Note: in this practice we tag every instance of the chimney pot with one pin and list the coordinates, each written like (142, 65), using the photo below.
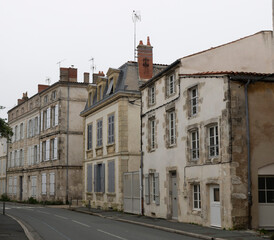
(148, 42)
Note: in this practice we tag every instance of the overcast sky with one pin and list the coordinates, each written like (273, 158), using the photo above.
(36, 34)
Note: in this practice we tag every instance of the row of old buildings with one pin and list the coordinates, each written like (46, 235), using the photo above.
(190, 141)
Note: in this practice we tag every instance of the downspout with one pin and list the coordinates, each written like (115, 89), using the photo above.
(248, 155)
(142, 163)
(67, 159)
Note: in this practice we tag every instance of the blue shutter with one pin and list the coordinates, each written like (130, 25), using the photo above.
(89, 178)
(111, 176)
(103, 178)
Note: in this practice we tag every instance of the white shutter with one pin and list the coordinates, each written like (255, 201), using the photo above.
(47, 149)
(32, 155)
(14, 185)
(12, 159)
(38, 154)
(29, 155)
(41, 157)
(56, 115)
(44, 183)
(157, 190)
(52, 183)
(23, 131)
(28, 129)
(13, 136)
(55, 148)
(147, 191)
(41, 122)
(22, 160)
(38, 127)
(48, 118)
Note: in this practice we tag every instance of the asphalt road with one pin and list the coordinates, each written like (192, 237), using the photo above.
(58, 224)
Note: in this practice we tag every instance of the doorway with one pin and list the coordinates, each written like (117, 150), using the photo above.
(215, 206)
(174, 196)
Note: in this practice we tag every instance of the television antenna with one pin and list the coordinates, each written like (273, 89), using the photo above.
(92, 66)
(59, 63)
(47, 80)
(136, 16)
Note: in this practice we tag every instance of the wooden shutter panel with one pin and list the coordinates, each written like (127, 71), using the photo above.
(23, 161)
(157, 190)
(89, 177)
(29, 155)
(103, 178)
(147, 188)
(56, 115)
(48, 118)
(41, 122)
(47, 149)
(111, 176)
(95, 178)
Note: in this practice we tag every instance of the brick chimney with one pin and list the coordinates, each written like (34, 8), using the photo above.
(68, 74)
(145, 60)
(42, 87)
(86, 77)
(24, 98)
(96, 75)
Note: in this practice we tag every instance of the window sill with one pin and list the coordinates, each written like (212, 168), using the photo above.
(111, 194)
(110, 148)
(99, 193)
(196, 211)
(99, 151)
(89, 153)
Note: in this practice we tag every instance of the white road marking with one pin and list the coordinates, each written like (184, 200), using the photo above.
(41, 212)
(7, 208)
(60, 216)
(110, 234)
(81, 223)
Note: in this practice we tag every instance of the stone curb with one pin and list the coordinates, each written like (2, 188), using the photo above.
(189, 234)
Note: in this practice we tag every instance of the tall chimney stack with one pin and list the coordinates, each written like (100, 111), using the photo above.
(86, 77)
(68, 74)
(145, 60)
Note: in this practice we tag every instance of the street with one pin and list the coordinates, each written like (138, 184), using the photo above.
(56, 223)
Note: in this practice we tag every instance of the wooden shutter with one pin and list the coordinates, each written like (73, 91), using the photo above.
(48, 118)
(41, 122)
(44, 181)
(56, 115)
(89, 177)
(103, 178)
(95, 178)
(111, 176)
(23, 157)
(55, 148)
(47, 149)
(52, 183)
(157, 190)
(147, 191)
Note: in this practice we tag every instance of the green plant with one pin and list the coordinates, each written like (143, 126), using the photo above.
(32, 200)
(5, 197)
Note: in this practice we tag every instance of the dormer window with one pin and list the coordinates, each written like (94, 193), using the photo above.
(90, 99)
(110, 87)
(46, 99)
(100, 92)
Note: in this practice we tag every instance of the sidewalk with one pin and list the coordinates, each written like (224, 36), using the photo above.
(173, 226)
(10, 229)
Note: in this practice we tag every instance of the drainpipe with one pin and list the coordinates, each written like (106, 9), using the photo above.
(141, 164)
(248, 155)
(67, 159)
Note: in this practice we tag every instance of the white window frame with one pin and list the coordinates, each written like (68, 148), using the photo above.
(193, 101)
(100, 133)
(47, 150)
(33, 186)
(172, 128)
(152, 187)
(52, 183)
(44, 183)
(111, 122)
(171, 84)
(151, 95)
(152, 134)
(196, 197)
(194, 145)
(265, 190)
(213, 141)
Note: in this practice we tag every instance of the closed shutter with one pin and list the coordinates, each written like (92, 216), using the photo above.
(29, 155)
(23, 130)
(44, 183)
(41, 157)
(95, 178)
(47, 149)
(147, 188)
(56, 115)
(23, 158)
(48, 118)
(14, 185)
(89, 177)
(55, 148)
(41, 122)
(32, 155)
(111, 176)
(12, 160)
(52, 183)
(38, 125)
(157, 190)
(103, 178)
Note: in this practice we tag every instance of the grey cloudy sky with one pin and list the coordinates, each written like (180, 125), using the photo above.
(36, 34)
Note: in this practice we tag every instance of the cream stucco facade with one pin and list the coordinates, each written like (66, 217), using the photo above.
(3, 164)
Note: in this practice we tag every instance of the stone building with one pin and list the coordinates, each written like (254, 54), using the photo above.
(45, 156)
(3, 164)
(194, 141)
(112, 134)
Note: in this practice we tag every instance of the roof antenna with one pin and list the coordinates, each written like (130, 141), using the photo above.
(136, 16)
(59, 63)
(47, 80)
(92, 66)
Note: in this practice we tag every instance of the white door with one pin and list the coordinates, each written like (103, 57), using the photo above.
(215, 208)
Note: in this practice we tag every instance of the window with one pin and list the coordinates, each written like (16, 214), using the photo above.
(90, 99)
(10, 185)
(152, 134)
(89, 137)
(99, 133)
(53, 148)
(53, 95)
(111, 176)
(36, 125)
(46, 115)
(193, 101)
(194, 151)
(196, 197)
(110, 87)
(152, 194)
(266, 189)
(21, 130)
(44, 151)
(151, 95)
(16, 158)
(111, 129)
(35, 154)
(21, 158)
(171, 128)
(52, 183)
(54, 114)
(99, 177)
(46, 99)
(44, 183)
(47, 150)
(100, 93)
(33, 186)
(30, 155)
(170, 85)
(16, 133)
(213, 141)
(89, 178)
(30, 128)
